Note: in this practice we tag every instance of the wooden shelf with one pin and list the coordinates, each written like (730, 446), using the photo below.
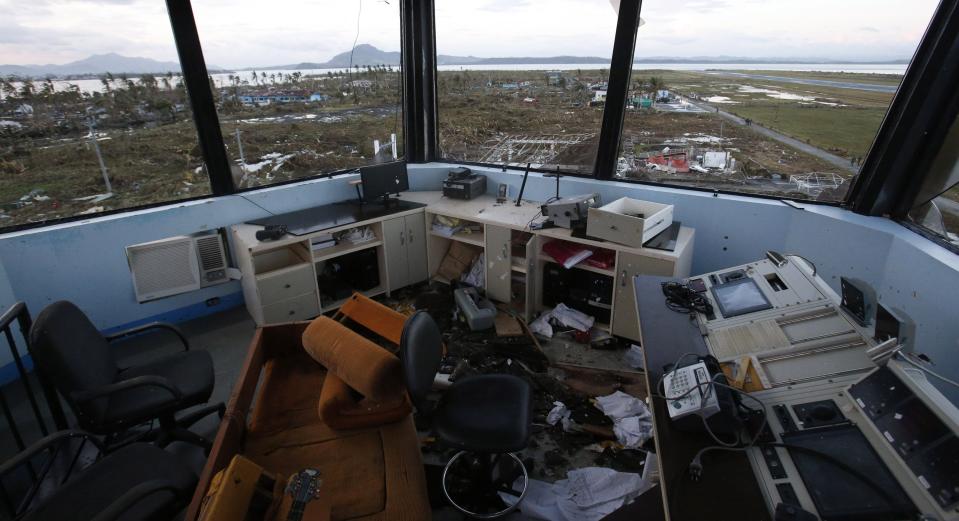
(581, 266)
(342, 249)
(476, 239)
(379, 290)
(519, 267)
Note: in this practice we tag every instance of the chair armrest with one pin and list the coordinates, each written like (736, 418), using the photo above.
(125, 385)
(44, 444)
(149, 327)
(133, 496)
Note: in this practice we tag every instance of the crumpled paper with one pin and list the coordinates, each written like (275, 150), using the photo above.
(587, 494)
(632, 420)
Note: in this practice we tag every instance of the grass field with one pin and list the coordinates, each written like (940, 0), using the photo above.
(840, 120)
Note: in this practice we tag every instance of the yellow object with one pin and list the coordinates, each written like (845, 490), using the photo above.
(239, 492)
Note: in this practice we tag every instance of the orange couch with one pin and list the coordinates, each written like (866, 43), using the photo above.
(373, 473)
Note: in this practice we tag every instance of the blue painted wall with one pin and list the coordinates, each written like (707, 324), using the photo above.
(85, 261)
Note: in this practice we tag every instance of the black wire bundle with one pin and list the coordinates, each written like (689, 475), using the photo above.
(681, 299)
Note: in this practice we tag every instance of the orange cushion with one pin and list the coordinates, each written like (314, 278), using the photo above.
(340, 410)
(374, 316)
(361, 364)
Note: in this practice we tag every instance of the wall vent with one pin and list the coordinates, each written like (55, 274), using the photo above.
(176, 265)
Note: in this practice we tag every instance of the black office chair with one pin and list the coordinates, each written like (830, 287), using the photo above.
(107, 399)
(485, 416)
(136, 482)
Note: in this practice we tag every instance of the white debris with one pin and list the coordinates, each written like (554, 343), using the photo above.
(587, 494)
(563, 315)
(634, 357)
(720, 99)
(93, 199)
(632, 421)
(560, 413)
(95, 209)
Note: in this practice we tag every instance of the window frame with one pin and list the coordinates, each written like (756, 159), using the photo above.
(206, 121)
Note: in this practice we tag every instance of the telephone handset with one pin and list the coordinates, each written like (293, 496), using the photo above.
(691, 397)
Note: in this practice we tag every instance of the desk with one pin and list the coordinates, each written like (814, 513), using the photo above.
(280, 277)
(728, 488)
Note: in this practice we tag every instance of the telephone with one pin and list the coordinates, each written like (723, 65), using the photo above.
(714, 404)
(689, 391)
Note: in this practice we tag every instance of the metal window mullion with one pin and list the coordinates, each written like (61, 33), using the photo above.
(917, 121)
(196, 80)
(620, 69)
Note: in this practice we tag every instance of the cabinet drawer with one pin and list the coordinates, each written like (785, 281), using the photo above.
(285, 283)
(302, 307)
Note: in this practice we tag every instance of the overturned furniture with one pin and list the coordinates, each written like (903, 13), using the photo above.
(372, 472)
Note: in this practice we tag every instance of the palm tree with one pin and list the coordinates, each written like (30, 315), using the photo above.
(255, 78)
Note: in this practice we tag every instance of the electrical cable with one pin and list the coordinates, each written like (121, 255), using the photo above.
(682, 299)
(930, 372)
(254, 203)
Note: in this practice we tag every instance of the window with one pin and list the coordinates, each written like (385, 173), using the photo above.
(775, 98)
(303, 88)
(523, 82)
(106, 125)
(936, 207)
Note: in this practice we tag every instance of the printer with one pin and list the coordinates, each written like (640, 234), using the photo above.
(571, 212)
(462, 183)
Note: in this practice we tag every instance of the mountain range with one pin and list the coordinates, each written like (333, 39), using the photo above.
(366, 54)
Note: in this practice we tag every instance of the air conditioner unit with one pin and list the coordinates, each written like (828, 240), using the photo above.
(177, 265)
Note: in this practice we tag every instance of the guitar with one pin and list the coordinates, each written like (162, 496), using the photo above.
(303, 487)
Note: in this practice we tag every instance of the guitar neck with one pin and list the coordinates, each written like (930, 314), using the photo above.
(296, 511)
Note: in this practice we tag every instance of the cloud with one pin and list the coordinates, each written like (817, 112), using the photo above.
(869, 29)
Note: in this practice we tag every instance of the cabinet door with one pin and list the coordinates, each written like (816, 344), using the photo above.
(628, 265)
(394, 239)
(498, 263)
(416, 248)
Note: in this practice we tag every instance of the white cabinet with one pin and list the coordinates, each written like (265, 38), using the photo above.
(405, 240)
(625, 321)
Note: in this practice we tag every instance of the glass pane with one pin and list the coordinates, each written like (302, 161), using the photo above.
(523, 82)
(941, 216)
(106, 124)
(294, 97)
(776, 98)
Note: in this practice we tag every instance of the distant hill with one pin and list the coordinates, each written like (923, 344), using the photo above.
(96, 64)
(366, 54)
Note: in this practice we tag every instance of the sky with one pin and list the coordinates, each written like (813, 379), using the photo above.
(244, 33)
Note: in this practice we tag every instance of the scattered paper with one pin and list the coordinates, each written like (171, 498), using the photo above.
(632, 421)
(560, 414)
(563, 315)
(588, 494)
(620, 405)
(634, 357)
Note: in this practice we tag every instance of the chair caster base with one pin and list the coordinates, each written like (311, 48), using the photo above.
(472, 483)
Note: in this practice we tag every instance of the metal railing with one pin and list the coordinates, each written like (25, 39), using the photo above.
(18, 313)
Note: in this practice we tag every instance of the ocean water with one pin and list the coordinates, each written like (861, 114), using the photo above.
(223, 79)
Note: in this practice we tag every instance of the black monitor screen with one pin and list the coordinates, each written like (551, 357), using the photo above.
(382, 180)
(739, 297)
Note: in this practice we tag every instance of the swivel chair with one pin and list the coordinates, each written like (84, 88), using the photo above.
(106, 399)
(486, 417)
(136, 482)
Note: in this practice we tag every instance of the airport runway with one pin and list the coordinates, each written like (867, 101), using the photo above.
(803, 81)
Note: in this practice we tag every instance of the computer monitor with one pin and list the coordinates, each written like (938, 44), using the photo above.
(379, 181)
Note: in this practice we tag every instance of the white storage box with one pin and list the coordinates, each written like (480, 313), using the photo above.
(629, 221)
